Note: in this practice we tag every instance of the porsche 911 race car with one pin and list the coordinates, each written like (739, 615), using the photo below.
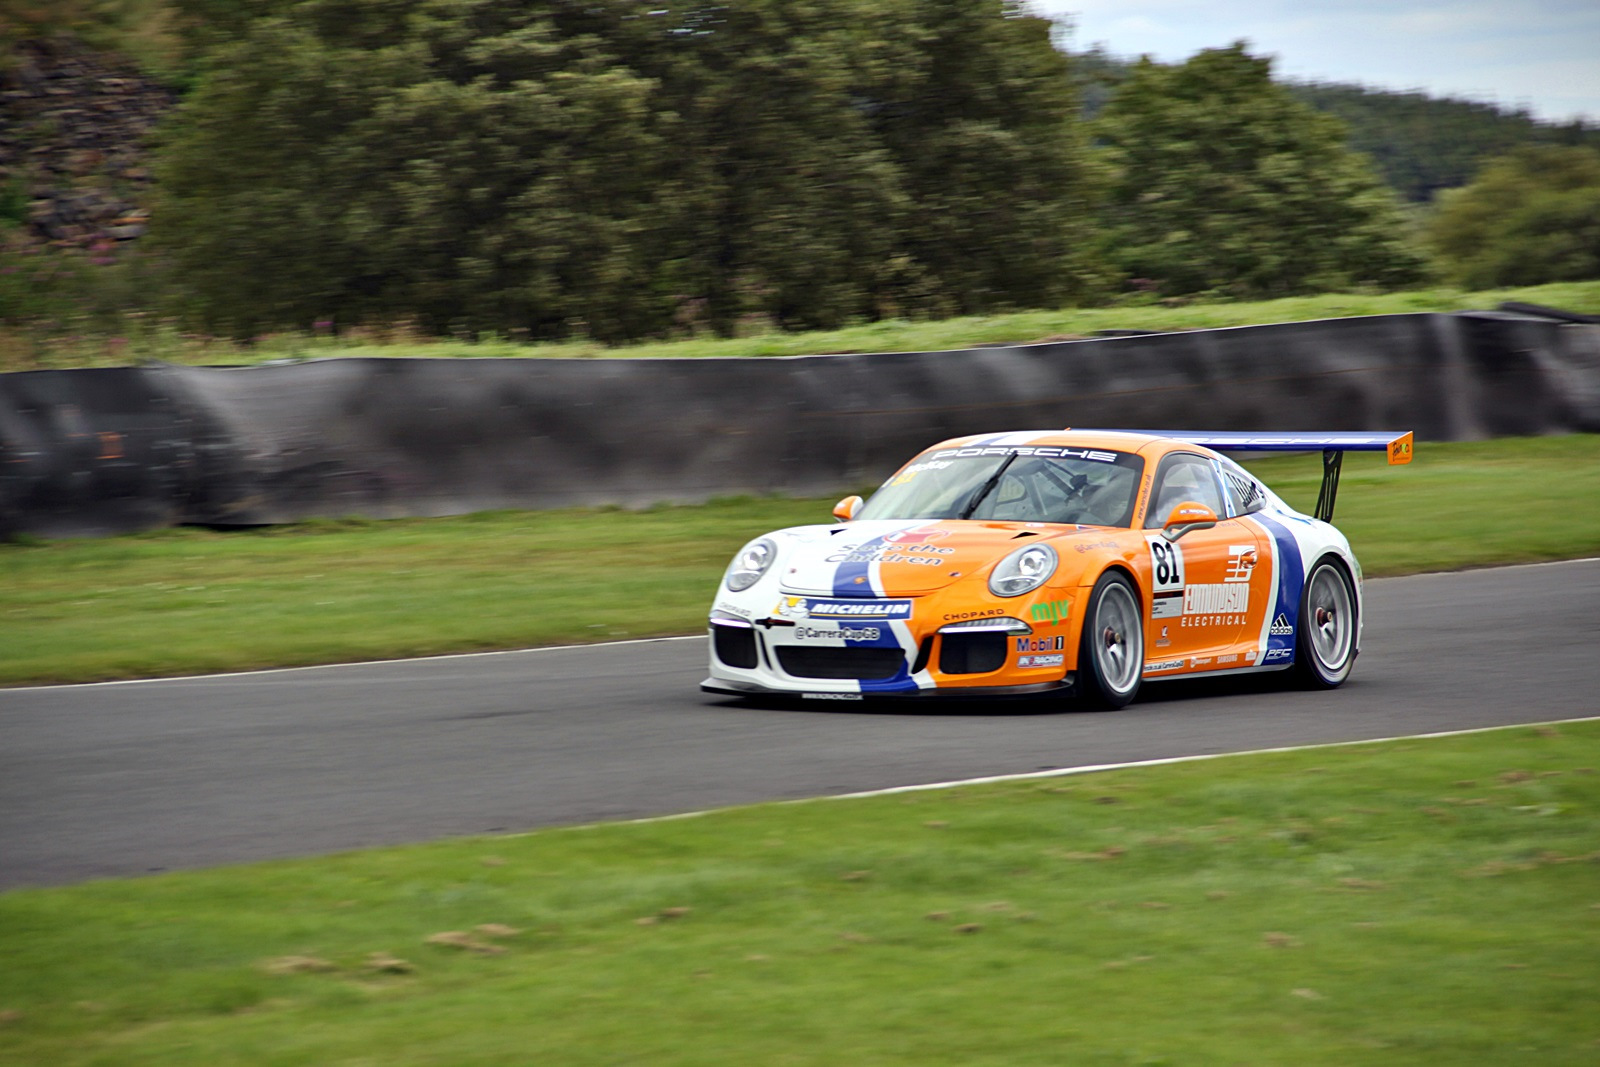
(1068, 563)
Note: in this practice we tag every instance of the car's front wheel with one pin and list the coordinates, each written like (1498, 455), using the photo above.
(1111, 655)
(1327, 639)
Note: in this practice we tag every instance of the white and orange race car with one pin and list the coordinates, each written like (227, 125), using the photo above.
(1073, 563)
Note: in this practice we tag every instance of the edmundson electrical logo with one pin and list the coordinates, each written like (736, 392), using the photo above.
(1220, 599)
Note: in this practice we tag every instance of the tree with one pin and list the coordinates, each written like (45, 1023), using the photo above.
(453, 161)
(1226, 185)
(624, 169)
(1528, 218)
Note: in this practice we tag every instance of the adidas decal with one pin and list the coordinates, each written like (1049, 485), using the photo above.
(1281, 627)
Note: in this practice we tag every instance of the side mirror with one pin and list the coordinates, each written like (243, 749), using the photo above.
(1188, 516)
(846, 509)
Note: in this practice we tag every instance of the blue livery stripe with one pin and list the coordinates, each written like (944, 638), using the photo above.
(1291, 580)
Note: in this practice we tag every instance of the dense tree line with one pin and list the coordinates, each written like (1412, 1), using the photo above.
(626, 169)
(622, 169)
(1420, 144)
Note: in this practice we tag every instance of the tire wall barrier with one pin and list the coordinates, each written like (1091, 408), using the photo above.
(102, 451)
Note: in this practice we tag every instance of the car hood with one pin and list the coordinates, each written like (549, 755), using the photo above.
(907, 558)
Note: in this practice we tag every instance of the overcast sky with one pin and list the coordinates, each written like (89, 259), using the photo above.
(1543, 55)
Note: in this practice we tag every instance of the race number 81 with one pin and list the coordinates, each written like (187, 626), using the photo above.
(1166, 564)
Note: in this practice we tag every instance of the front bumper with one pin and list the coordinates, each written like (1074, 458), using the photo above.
(836, 649)
(1061, 687)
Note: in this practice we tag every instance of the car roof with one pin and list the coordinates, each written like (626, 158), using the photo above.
(1116, 440)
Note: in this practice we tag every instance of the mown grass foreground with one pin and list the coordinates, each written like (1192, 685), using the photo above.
(192, 600)
(1425, 901)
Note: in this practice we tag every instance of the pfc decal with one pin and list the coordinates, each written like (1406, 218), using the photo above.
(1164, 665)
(1275, 654)
(1281, 627)
(849, 633)
(1056, 660)
(799, 607)
(1053, 612)
(1040, 644)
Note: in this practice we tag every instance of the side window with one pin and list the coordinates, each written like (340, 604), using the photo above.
(1244, 494)
(1183, 477)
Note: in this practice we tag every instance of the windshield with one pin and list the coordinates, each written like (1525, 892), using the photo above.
(1024, 483)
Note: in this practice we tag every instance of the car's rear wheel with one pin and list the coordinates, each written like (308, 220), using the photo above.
(1326, 643)
(1111, 655)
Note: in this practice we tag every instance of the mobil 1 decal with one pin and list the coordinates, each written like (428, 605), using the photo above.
(1166, 577)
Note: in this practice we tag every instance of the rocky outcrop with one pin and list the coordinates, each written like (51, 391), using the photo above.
(74, 125)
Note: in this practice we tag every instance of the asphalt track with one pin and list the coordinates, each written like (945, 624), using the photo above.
(129, 778)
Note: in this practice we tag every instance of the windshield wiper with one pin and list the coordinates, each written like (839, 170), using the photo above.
(987, 487)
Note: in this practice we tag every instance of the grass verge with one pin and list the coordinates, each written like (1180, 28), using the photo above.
(145, 339)
(1421, 901)
(192, 600)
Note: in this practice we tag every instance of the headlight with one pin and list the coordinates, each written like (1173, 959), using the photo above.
(750, 564)
(1023, 571)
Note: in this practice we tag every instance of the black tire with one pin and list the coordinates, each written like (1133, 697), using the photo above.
(1111, 652)
(1325, 642)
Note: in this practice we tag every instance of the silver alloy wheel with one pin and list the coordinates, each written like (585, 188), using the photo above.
(1330, 619)
(1118, 640)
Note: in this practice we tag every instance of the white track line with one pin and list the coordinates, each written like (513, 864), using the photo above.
(1091, 768)
(354, 663)
(1064, 772)
(614, 644)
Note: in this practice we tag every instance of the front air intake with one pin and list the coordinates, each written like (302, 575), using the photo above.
(820, 661)
(734, 645)
(972, 652)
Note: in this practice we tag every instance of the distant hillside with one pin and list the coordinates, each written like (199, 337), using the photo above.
(1420, 144)
(1423, 144)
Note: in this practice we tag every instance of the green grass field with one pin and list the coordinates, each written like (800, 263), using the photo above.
(156, 340)
(1417, 902)
(192, 600)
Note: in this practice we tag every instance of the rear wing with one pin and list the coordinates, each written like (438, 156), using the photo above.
(1332, 445)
